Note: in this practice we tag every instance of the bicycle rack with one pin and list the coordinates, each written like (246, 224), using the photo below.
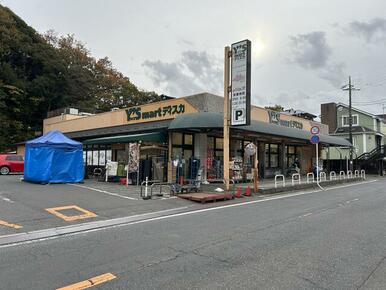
(145, 184)
(332, 175)
(363, 174)
(342, 175)
(322, 174)
(349, 174)
(298, 179)
(279, 176)
(160, 187)
(356, 173)
(310, 174)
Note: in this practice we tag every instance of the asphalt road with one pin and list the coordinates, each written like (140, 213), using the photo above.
(323, 240)
(25, 204)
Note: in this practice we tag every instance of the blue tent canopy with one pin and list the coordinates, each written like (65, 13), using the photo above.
(53, 158)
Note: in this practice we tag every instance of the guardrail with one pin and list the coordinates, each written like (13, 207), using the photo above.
(349, 174)
(310, 174)
(332, 175)
(342, 175)
(298, 179)
(279, 176)
(363, 174)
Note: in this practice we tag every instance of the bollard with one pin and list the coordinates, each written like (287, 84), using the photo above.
(280, 176)
(363, 174)
(248, 191)
(310, 176)
(297, 175)
(238, 192)
(146, 196)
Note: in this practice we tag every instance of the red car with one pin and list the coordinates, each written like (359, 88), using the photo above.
(11, 163)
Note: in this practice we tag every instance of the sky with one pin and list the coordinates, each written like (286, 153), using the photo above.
(302, 50)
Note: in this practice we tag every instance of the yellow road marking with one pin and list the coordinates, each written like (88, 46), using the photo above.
(4, 223)
(56, 211)
(90, 282)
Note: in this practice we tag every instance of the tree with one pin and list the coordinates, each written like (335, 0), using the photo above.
(39, 73)
(277, 108)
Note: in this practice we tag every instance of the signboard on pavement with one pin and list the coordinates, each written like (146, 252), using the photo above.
(241, 83)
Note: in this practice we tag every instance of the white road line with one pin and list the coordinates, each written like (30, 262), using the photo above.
(179, 214)
(6, 199)
(104, 191)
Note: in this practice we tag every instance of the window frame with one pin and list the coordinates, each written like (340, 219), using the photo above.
(348, 124)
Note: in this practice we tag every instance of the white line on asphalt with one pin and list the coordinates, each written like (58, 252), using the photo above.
(104, 191)
(6, 199)
(179, 214)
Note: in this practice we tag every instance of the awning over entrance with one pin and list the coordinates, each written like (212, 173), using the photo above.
(154, 136)
(206, 120)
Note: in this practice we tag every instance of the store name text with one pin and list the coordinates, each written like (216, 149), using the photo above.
(137, 114)
(274, 118)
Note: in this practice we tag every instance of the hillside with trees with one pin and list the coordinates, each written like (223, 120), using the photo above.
(40, 73)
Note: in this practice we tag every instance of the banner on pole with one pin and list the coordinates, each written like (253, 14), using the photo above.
(133, 163)
(241, 83)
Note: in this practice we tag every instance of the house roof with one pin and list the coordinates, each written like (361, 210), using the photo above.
(358, 110)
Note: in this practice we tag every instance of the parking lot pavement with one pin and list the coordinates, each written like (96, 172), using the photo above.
(26, 206)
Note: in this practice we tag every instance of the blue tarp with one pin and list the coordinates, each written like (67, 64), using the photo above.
(53, 158)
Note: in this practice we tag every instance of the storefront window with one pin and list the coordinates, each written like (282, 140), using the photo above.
(219, 143)
(95, 158)
(182, 145)
(108, 155)
(177, 138)
(291, 155)
(89, 157)
(188, 139)
(177, 153)
(271, 155)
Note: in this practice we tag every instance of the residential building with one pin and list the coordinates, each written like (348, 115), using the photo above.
(366, 129)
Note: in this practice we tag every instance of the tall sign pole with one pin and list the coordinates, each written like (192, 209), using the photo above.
(239, 106)
(227, 55)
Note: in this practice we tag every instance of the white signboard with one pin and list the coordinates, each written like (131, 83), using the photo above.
(241, 83)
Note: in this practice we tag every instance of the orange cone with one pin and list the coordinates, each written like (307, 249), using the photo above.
(248, 191)
(238, 192)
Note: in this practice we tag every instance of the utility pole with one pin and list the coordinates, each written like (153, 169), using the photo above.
(350, 88)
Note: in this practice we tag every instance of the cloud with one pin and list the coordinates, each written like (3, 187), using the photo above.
(334, 74)
(310, 50)
(372, 31)
(194, 72)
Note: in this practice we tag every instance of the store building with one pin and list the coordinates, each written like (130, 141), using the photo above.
(177, 136)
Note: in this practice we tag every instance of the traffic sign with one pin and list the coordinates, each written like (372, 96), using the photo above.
(315, 139)
(315, 130)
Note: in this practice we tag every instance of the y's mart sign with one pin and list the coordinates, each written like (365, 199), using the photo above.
(241, 83)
